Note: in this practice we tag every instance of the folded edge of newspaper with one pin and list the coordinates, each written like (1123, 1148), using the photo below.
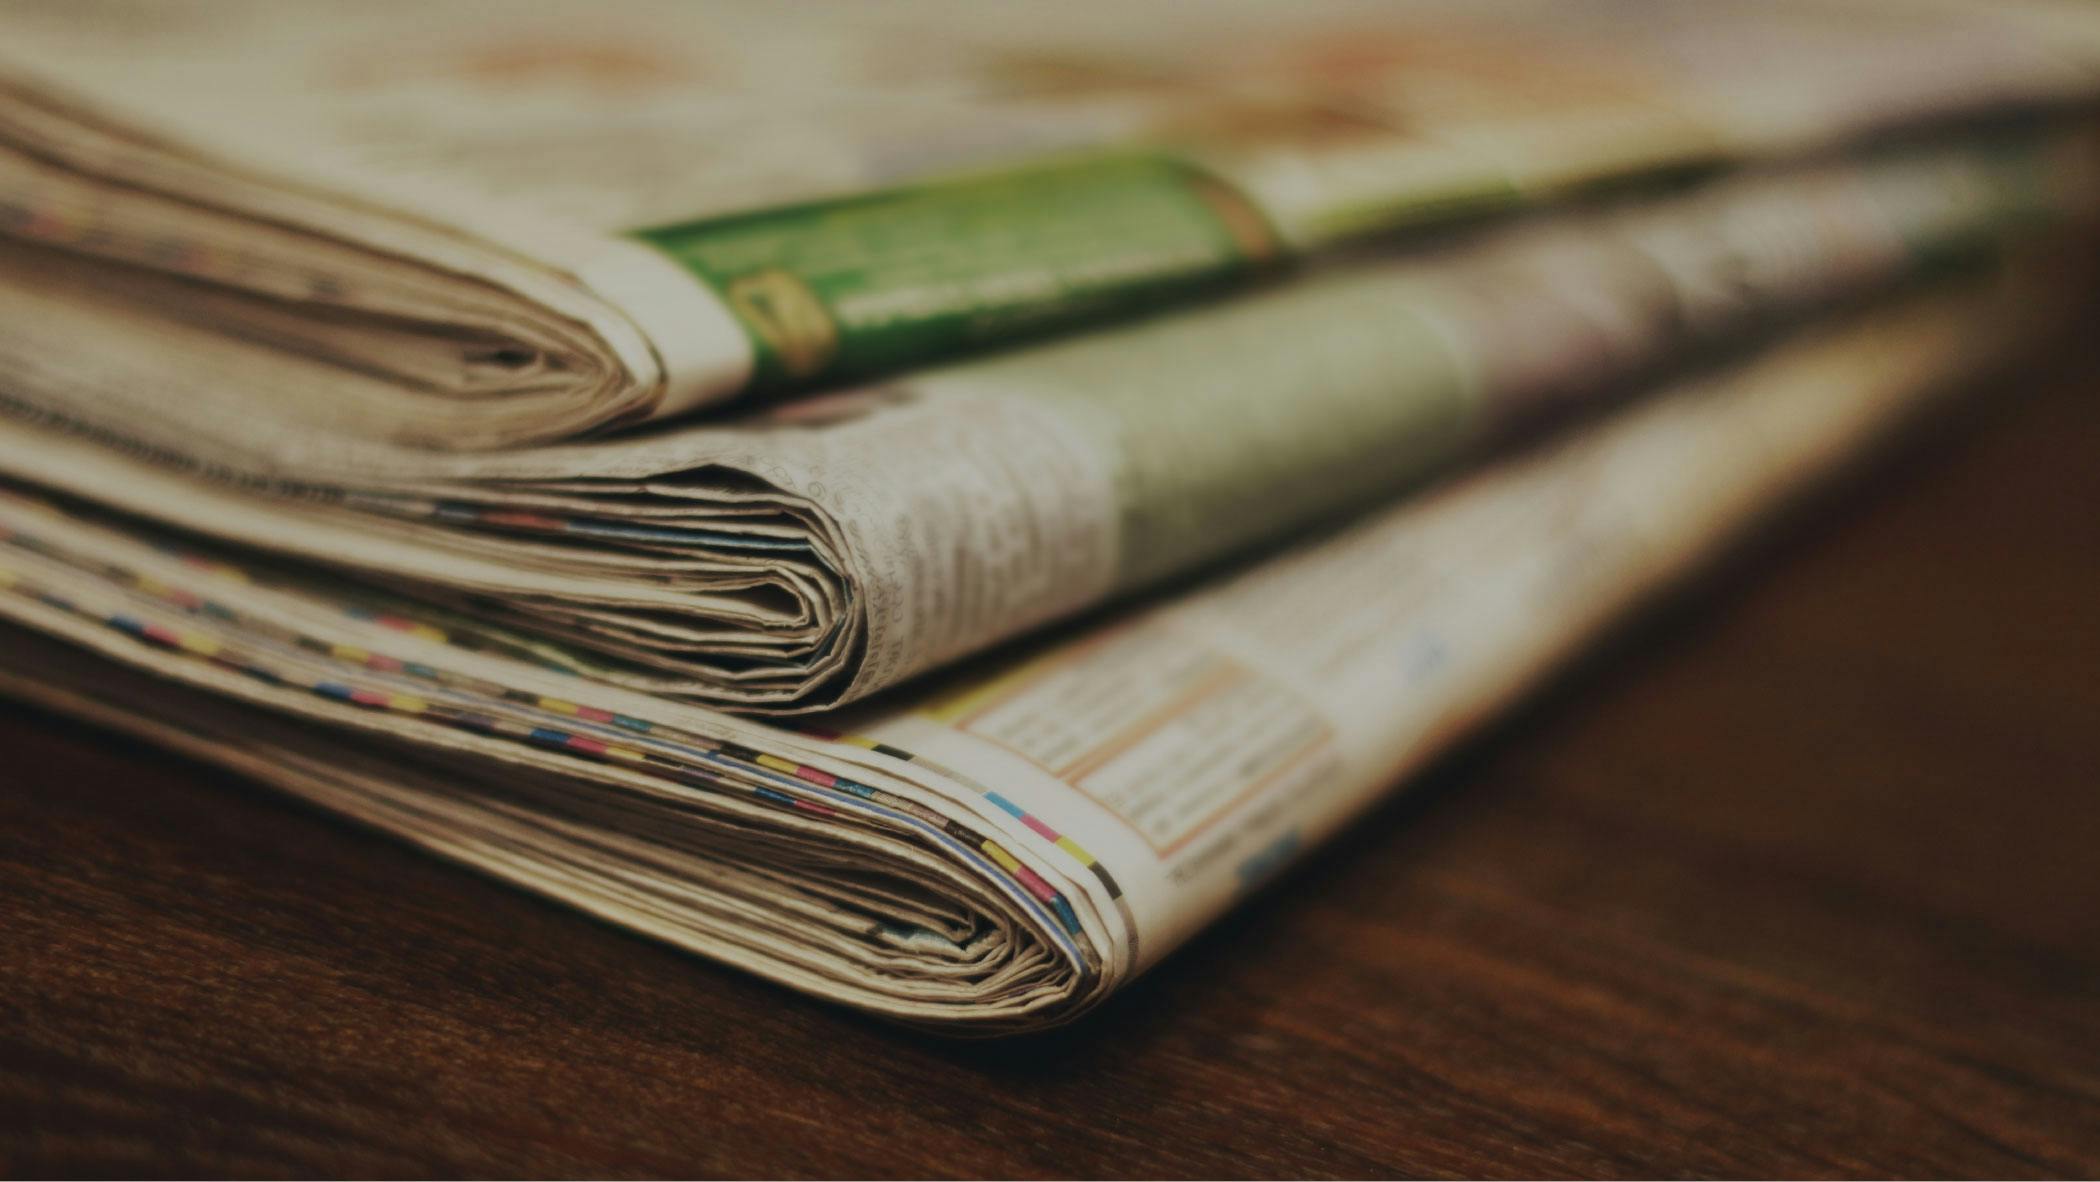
(998, 849)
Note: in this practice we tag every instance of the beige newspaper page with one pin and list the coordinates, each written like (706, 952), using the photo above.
(997, 850)
(537, 220)
(814, 554)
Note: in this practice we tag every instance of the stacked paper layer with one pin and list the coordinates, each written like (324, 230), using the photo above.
(928, 508)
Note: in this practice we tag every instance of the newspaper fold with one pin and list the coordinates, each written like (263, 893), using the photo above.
(277, 291)
(512, 224)
(998, 850)
(820, 552)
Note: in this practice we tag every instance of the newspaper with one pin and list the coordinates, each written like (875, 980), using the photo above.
(302, 312)
(504, 224)
(998, 849)
(813, 554)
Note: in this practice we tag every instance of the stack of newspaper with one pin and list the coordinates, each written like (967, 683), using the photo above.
(932, 503)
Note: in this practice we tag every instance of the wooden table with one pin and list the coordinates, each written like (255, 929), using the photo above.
(1802, 876)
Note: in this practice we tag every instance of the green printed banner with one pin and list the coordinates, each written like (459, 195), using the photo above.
(879, 281)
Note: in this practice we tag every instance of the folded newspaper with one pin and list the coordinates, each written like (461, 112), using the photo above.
(536, 219)
(295, 309)
(997, 851)
(807, 556)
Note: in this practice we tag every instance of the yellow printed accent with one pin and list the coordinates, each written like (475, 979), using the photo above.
(779, 765)
(630, 754)
(861, 741)
(429, 632)
(406, 703)
(1072, 847)
(558, 706)
(970, 700)
(975, 698)
(1007, 862)
(351, 653)
(197, 642)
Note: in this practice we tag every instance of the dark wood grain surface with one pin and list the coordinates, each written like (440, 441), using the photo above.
(1800, 876)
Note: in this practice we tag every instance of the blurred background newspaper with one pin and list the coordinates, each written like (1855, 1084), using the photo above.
(930, 504)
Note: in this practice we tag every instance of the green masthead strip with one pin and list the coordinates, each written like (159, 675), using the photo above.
(878, 281)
